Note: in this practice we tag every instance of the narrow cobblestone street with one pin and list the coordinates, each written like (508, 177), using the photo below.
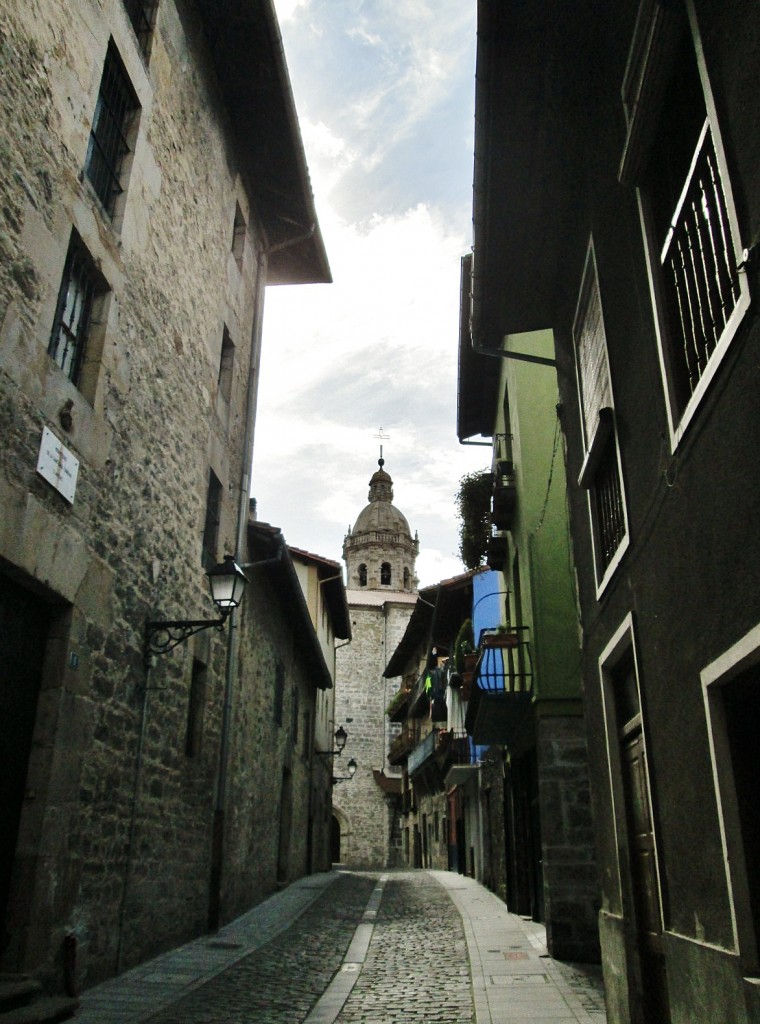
(425, 947)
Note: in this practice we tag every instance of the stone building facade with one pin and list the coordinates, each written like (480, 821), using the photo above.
(381, 591)
(153, 173)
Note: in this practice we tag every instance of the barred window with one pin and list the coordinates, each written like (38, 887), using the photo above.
(112, 126)
(600, 474)
(142, 14)
(674, 155)
(81, 285)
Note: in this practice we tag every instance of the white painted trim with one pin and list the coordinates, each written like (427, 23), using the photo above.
(622, 640)
(601, 581)
(677, 426)
(742, 655)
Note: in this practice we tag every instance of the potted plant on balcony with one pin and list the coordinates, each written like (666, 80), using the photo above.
(501, 636)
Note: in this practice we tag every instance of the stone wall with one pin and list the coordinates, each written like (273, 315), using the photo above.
(571, 881)
(115, 833)
(361, 698)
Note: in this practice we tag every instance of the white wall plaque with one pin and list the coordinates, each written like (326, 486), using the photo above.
(57, 465)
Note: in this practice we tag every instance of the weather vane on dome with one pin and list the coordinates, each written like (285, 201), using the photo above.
(382, 437)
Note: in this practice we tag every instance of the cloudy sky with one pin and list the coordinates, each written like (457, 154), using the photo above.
(384, 91)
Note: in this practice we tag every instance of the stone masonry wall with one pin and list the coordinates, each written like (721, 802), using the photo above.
(571, 884)
(114, 847)
(361, 697)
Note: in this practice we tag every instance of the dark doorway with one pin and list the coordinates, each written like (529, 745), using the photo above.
(644, 887)
(24, 624)
(335, 840)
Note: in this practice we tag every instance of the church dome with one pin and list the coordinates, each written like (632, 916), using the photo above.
(379, 550)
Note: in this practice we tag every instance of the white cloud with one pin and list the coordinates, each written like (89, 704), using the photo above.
(286, 9)
(379, 345)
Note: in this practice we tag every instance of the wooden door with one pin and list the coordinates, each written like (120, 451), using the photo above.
(644, 879)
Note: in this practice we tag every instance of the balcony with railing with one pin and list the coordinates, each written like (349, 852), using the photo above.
(422, 753)
(503, 686)
(400, 747)
(458, 756)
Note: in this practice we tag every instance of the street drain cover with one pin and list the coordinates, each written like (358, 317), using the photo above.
(220, 944)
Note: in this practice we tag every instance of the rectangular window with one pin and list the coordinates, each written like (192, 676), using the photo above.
(195, 708)
(238, 236)
(601, 474)
(674, 156)
(226, 365)
(213, 519)
(81, 287)
(112, 133)
(142, 14)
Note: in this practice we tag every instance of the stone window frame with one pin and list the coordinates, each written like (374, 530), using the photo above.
(113, 134)
(226, 366)
(239, 235)
(715, 678)
(142, 18)
(212, 521)
(658, 35)
(81, 314)
(386, 574)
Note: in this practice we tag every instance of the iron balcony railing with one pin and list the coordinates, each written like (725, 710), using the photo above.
(504, 663)
(422, 752)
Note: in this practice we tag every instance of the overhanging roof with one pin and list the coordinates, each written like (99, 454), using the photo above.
(440, 611)
(245, 44)
(330, 576)
(267, 542)
(532, 75)
(478, 375)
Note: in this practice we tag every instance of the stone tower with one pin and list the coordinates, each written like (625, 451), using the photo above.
(381, 589)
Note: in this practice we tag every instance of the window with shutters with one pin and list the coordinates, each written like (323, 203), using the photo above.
(674, 156)
(601, 473)
(113, 133)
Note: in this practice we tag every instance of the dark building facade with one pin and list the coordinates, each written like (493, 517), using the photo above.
(617, 203)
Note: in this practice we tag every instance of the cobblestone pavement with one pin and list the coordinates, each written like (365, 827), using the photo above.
(279, 983)
(417, 968)
(418, 947)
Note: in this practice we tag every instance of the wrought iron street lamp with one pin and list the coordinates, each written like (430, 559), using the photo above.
(351, 768)
(340, 741)
(227, 582)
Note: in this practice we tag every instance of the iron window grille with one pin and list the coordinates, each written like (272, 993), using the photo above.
(600, 474)
(699, 275)
(608, 504)
(674, 155)
(141, 14)
(79, 286)
(109, 144)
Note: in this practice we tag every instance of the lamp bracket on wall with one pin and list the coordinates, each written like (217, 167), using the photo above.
(162, 637)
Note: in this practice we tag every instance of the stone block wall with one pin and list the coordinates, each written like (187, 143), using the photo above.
(361, 698)
(571, 883)
(115, 833)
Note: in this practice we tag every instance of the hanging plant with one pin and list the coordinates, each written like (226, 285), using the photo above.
(473, 503)
(464, 644)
